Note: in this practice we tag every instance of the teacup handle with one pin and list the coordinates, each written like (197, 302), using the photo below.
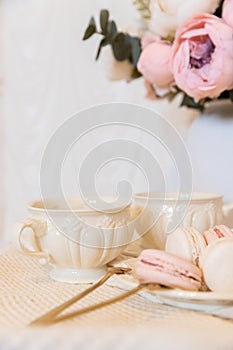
(39, 229)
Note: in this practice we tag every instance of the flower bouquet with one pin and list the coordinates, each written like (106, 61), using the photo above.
(185, 47)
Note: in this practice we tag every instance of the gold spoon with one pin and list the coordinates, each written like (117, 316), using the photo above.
(50, 316)
(102, 304)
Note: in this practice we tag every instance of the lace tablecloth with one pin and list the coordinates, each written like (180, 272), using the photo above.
(26, 292)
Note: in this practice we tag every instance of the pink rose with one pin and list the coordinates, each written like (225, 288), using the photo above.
(202, 58)
(155, 64)
(149, 38)
(227, 12)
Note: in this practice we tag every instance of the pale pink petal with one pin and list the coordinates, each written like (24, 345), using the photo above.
(149, 38)
(206, 68)
(227, 12)
(195, 32)
(155, 64)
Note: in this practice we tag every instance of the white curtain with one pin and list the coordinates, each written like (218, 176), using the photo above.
(49, 74)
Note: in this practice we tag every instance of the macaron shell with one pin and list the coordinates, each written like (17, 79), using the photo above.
(178, 244)
(216, 233)
(147, 274)
(217, 264)
(159, 267)
(187, 243)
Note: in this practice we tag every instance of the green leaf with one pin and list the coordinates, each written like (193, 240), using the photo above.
(225, 95)
(169, 38)
(104, 17)
(135, 50)
(218, 11)
(231, 95)
(171, 95)
(91, 29)
(135, 74)
(111, 30)
(191, 103)
(121, 47)
(104, 42)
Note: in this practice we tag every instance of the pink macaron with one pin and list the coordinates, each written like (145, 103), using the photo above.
(217, 232)
(160, 267)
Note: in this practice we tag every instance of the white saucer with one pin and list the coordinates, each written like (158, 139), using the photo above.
(199, 301)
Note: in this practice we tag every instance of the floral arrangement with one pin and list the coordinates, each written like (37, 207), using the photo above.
(186, 47)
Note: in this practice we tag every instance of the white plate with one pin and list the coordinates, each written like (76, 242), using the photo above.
(200, 301)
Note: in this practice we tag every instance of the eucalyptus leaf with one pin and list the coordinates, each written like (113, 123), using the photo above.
(135, 74)
(104, 42)
(104, 17)
(121, 47)
(218, 11)
(111, 30)
(191, 103)
(171, 95)
(91, 29)
(225, 95)
(135, 50)
(231, 95)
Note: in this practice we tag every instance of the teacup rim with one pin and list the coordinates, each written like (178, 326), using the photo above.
(174, 196)
(31, 206)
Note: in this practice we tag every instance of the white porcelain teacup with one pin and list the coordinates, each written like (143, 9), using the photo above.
(157, 211)
(76, 239)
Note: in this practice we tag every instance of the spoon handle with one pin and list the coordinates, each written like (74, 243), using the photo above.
(100, 305)
(49, 316)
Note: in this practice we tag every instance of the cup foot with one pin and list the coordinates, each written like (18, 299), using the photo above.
(79, 276)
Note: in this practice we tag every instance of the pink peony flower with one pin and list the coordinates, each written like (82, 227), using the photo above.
(155, 65)
(202, 59)
(227, 12)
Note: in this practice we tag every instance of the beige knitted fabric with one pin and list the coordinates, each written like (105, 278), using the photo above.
(26, 292)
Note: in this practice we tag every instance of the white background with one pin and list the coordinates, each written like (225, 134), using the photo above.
(48, 74)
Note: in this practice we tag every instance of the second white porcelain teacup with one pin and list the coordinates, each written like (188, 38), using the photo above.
(76, 239)
(157, 211)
